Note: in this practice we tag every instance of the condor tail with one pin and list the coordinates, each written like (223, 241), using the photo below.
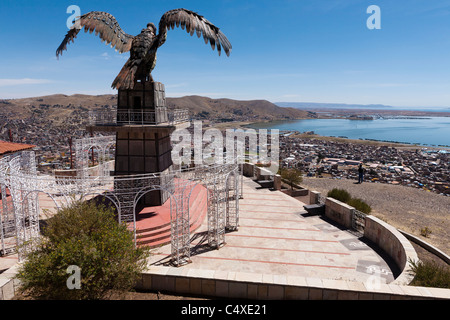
(127, 76)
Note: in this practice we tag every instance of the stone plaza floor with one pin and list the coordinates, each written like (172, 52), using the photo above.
(277, 237)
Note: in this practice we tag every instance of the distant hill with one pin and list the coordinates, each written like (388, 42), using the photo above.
(315, 105)
(61, 106)
(252, 110)
(56, 108)
(345, 110)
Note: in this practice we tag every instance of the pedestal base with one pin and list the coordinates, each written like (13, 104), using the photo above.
(141, 150)
(142, 139)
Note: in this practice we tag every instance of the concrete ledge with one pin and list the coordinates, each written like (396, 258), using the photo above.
(314, 197)
(394, 244)
(385, 236)
(8, 285)
(241, 285)
(296, 193)
(262, 173)
(427, 246)
(248, 169)
(339, 212)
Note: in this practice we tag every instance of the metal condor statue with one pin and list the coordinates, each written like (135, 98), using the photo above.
(143, 47)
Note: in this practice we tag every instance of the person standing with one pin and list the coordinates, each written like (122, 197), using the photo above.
(360, 173)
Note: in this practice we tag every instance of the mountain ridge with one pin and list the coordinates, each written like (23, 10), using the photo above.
(324, 105)
(61, 105)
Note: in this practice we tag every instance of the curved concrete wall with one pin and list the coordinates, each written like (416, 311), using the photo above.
(242, 285)
(394, 244)
(385, 236)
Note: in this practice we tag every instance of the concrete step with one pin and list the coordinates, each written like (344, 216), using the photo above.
(160, 235)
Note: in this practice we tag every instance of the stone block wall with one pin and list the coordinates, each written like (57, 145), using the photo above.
(340, 212)
(257, 286)
(248, 169)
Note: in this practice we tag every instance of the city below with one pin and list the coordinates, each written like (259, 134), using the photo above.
(415, 166)
(425, 168)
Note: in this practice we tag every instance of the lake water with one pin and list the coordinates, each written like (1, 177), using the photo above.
(430, 131)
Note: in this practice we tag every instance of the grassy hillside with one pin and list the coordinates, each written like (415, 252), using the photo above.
(60, 106)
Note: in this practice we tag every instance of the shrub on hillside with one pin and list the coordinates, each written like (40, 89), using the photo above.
(343, 196)
(85, 235)
(339, 194)
(430, 274)
(359, 205)
(425, 232)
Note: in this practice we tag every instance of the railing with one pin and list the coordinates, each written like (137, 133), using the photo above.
(138, 117)
(178, 116)
(358, 221)
(322, 199)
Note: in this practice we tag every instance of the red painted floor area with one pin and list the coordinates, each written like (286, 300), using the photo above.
(153, 223)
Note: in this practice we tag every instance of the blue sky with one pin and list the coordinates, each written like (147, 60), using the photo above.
(289, 50)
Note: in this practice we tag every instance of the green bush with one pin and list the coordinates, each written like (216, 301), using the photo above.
(430, 274)
(359, 205)
(88, 236)
(339, 194)
(425, 232)
(343, 196)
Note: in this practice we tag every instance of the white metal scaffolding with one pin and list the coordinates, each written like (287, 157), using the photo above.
(23, 191)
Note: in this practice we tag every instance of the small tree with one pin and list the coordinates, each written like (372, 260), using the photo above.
(87, 236)
(292, 176)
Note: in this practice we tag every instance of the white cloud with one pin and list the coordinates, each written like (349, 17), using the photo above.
(202, 94)
(289, 96)
(380, 85)
(24, 81)
(176, 85)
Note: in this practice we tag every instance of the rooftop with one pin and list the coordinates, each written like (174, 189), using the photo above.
(11, 147)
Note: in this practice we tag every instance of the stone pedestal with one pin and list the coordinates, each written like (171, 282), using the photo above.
(142, 136)
(147, 99)
(145, 149)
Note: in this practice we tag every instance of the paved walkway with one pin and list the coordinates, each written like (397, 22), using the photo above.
(277, 237)
(8, 261)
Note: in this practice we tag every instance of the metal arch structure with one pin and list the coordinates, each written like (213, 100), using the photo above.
(107, 195)
(21, 210)
(232, 190)
(7, 217)
(82, 147)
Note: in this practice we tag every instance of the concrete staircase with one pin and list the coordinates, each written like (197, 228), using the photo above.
(159, 235)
